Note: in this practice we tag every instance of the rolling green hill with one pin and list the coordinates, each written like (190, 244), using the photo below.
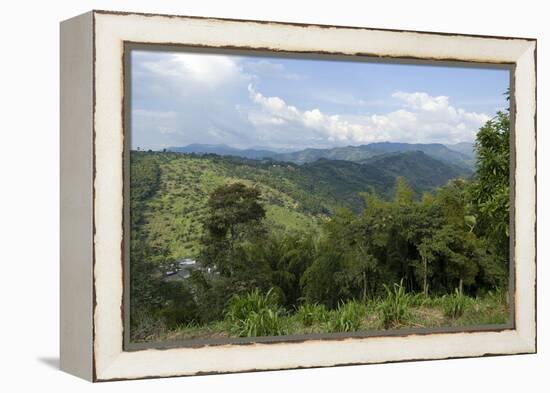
(422, 171)
(295, 196)
(360, 153)
(466, 148)
(460, 154)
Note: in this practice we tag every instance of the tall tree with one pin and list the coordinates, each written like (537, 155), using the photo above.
(491, 189)
(234, 213)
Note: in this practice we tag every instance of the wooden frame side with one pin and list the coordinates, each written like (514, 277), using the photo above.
(76, 196)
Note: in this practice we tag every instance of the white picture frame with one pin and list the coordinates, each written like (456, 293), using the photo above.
(92, 194)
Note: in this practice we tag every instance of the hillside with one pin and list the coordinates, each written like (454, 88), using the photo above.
(363, 152)
(422, 171)
(173, 215)
(295, 196)
(466, 148)
(460, 154)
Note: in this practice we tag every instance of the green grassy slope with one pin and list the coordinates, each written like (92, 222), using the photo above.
(173, 216)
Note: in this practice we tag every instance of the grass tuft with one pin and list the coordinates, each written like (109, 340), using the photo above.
(310, 314)
(255, 314)
(394, 309)
(347, 317)
(455, 305)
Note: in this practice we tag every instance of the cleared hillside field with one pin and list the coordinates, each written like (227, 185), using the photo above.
(173, 216)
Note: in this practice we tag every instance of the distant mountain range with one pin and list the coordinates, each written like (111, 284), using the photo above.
(224, 150)
(460, 154)
(466, 148)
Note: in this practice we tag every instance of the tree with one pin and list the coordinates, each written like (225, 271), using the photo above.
(490, 192)
(155, 301)
(234, 214)
(404, 194)
(144, 182)
(318, 281)
(230, 206)
(283, 257)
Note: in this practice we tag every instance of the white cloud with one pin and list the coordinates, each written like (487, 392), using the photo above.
(422, 118)
(333, 127)
(205, 69)
(182, 98)
(423, 101)
(437, 117)
(268, 68)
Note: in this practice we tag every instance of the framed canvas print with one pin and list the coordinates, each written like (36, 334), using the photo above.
(247, 195)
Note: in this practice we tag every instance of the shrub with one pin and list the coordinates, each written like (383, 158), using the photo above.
(255, 314)
(454, 305)
(179, 307)
(347, 317)
(394, 309)
(309, 314)
(498, 297)
(145, 326)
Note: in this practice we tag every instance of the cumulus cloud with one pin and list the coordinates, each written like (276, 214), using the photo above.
(267, 68)
(275, 111)
(208, 70)
(182, 98)
(438, 118)
(422, 118)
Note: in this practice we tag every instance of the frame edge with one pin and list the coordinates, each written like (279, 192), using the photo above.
(76, 196)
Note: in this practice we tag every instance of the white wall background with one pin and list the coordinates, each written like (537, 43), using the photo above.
(29, 206)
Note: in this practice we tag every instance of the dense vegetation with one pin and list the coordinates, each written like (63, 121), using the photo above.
(397, 239)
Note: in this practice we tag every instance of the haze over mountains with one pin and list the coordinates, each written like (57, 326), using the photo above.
(224, 150)
(460, 154)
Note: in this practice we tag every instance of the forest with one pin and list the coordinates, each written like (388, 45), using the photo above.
(331, 245)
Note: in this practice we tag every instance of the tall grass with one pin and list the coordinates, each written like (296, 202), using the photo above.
(454, 305)
(394, 309)
(347, 317)
(255, 314)
(309, 314)
(259, 314)
(498, 296)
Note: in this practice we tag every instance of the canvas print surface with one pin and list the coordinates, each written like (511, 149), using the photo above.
(284, 196)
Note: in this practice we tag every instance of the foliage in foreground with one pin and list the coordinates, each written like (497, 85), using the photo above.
(421, 312)
(255, 314)
(394, 309)
(348, 317)
(454, 305)
(309, 314)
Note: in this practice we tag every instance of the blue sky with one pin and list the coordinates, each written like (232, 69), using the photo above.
(179, 98)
